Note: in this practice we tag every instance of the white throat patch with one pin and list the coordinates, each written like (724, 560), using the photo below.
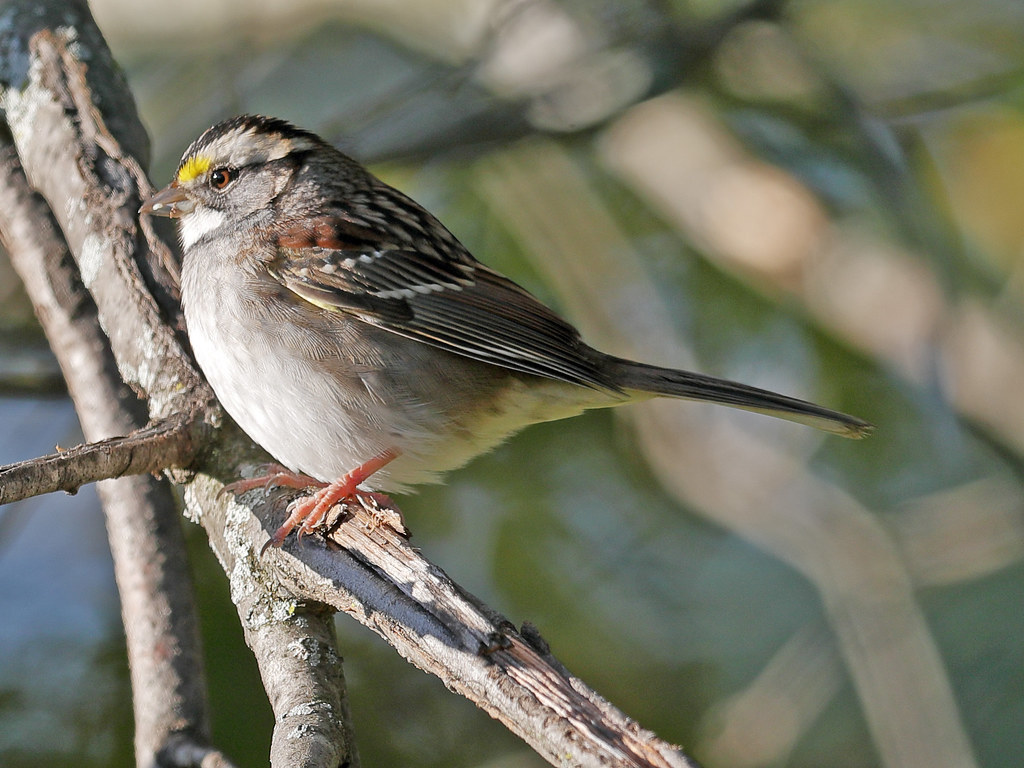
(196, 225)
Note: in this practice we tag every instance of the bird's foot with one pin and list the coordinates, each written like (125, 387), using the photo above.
(271, 476)
(308, 513)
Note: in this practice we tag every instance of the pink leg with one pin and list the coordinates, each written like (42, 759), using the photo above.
(273, 475)
(311, 511)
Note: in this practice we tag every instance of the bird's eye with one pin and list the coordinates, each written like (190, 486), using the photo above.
(221, 177)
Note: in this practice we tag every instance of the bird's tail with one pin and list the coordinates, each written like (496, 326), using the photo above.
(668, 382)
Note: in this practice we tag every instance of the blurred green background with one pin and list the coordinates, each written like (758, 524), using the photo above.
(819, 197)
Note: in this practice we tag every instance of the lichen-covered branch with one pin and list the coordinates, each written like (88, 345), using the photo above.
(77, 138)
(148, 548)
(371, 572)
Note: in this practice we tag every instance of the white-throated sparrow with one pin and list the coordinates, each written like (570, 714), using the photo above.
(351, 335)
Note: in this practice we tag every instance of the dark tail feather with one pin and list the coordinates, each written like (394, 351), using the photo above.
(693, 386)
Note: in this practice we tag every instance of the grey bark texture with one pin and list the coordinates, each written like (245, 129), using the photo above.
(75, 140)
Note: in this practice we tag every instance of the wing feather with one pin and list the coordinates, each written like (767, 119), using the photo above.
(452, 302)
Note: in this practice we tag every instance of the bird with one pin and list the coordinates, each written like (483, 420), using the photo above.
(350, 334)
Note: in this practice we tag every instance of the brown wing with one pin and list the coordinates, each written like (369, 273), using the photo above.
(448, 299)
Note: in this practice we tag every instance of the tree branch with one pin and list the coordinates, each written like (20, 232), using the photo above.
(291, 635)
(371, 572)
(146, 541)
(79, 165)
(86, 171)
(151, 449)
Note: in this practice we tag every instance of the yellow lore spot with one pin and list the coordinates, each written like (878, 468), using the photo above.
(195, 166)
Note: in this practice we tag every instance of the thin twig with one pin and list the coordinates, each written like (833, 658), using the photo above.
(157, 447)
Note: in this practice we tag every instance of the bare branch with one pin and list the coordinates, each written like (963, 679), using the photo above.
(151, 449)
(294, 644)
(372, 573)
(94, 187)
(70, 153)
(143, 524)
(85, 170)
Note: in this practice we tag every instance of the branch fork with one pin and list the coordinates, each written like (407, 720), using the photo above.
(103, 284)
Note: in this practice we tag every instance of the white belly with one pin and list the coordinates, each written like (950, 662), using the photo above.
(326, 418)
(325, 404)
(298, 414)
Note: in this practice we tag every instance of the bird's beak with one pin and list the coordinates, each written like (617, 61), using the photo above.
(169, 201)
